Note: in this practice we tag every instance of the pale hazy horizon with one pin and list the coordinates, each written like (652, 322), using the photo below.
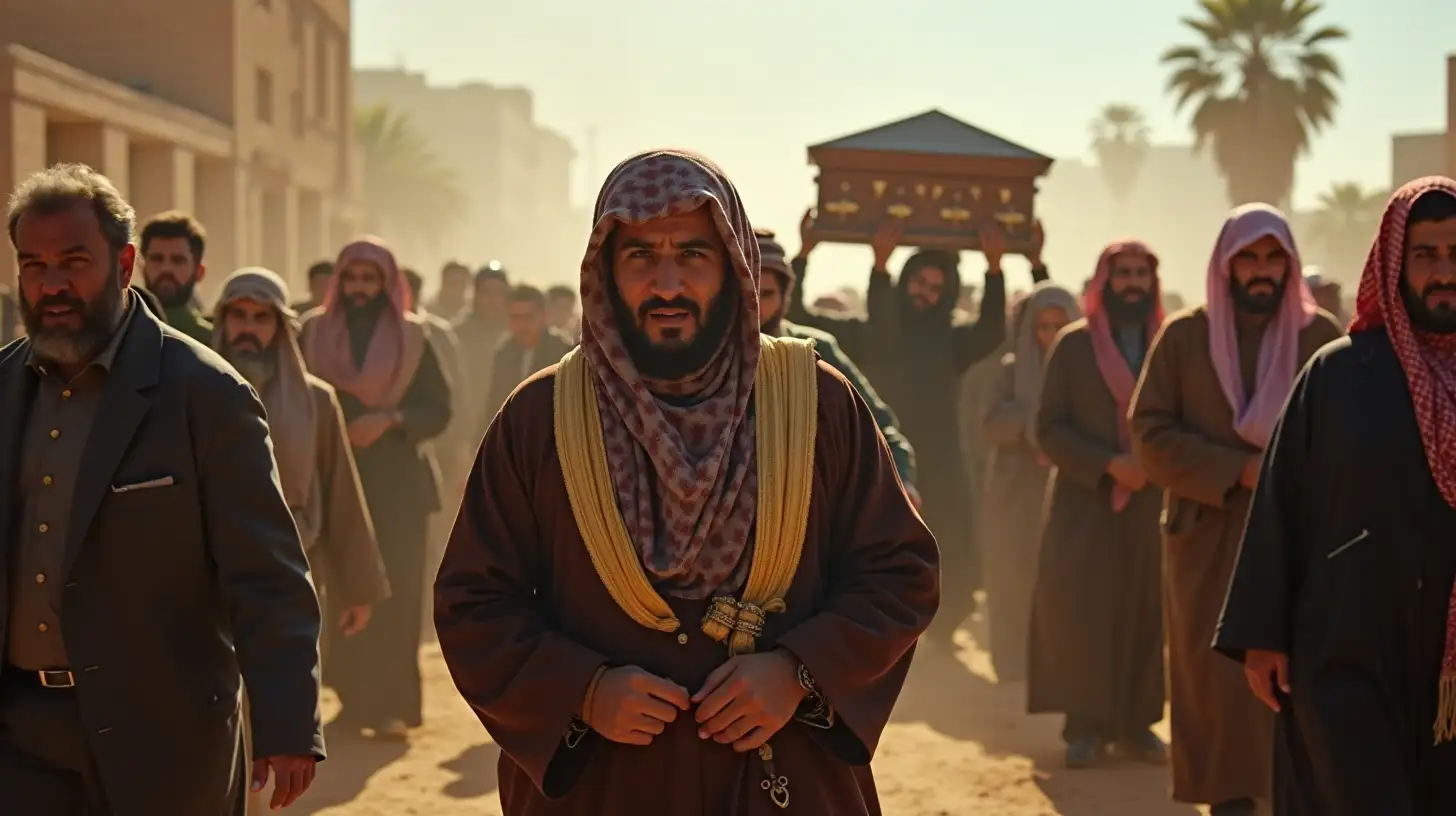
(753, 86)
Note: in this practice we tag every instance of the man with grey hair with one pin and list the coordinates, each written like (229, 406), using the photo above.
(153, 566)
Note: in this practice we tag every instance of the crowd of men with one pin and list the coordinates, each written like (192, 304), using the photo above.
(684, 544)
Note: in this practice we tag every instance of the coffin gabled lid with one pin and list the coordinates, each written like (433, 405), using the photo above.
(933, 133)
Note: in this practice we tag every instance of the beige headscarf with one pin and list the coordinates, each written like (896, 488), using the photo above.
(291, 407)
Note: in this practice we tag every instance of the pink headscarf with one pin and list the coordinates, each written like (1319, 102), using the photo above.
(1279, 350)
(1119, 376)
(394, 349)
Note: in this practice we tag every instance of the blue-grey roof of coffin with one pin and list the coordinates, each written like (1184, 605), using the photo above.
(935, 133)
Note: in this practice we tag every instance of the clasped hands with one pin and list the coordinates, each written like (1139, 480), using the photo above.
(744, 702)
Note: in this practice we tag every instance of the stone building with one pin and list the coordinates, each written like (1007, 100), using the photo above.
(239, 111)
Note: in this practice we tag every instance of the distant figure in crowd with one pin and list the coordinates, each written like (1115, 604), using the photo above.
(1016, 475)
(914, 354)
(1210, 392)
(154, 566)
(481, 332)
(1327, 293)
(1096, 646)
(172, 246)
(453, 298)
(775, 283)
(561, 312)
(318, 284)
(256, 331)
(655, 663)
(1341, 605)
(381, 359)
(530, 346)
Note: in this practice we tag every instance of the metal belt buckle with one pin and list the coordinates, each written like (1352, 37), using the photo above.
(57, 679)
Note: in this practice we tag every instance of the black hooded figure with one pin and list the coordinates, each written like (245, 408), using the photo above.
(914, 352)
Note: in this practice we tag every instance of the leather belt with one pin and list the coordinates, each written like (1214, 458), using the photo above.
(49, 678)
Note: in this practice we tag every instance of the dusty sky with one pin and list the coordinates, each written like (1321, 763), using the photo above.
(753, 82)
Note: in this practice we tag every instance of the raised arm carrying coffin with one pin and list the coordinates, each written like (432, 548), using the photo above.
(942, 176)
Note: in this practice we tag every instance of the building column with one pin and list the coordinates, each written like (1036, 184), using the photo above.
(105, 149)
(220, 192)
(313, 239)
(163, 177)
(23, 128)
(279, 236)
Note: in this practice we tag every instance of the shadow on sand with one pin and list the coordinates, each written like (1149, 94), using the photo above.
(475, 771)
(352, 761)
(952, 692)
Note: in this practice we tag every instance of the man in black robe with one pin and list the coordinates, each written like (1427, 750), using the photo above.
(1340, 607)
(914, 354)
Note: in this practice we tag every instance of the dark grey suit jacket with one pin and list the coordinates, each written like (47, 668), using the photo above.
(176, 595)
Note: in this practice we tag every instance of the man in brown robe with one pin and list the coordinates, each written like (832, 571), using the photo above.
(480, 333)
(1016, 474)
(255, 331)
(648, 659)
(1096, 651)
(1212, 388)
(384, 365)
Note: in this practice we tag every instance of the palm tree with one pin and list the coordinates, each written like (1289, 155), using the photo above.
(1120, 142)
(1263, 88)
(1343, 226)
(408, 194)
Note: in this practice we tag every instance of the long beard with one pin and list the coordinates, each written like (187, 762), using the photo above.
(71, 347)
(1437, 320)
(1262, 304)
(1125, 310)
(257, 367)
(676, 362)
(172, 293)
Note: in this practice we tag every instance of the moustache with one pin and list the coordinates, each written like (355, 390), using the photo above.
(1253, 282)
(1133, 293)
(247, 342)
(59, 301)
(676, 303)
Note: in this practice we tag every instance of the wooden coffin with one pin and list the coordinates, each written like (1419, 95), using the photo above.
(942, 176)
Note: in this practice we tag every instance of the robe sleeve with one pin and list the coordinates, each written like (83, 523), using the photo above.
(885, 418)
(1005, 420)
(524, 680)
(883, 587)
(357, 577)
(880, 301)
(972, 342)
(1260, 602)
(846, 329)
(426, 406)
(1175, 455)
(1077, 455)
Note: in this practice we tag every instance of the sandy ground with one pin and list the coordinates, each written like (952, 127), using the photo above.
(959, 744)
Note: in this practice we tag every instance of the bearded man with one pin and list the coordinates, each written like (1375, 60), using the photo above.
(258, 333)
(172, 247)
(775, 285)
(1096, 649)
(600, 605)
(1212, 387)
(1341, 602)
(390, 379)
(915, 353)
(153, 565)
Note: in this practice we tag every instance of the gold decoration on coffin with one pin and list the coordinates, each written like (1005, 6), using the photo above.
(1008, 215)
(843, 186)
(879, 187)
(920, 190)
(1005, 196)
(956, 215)
(899, 210)
(936, 192)
(976, 193)
(842, 208)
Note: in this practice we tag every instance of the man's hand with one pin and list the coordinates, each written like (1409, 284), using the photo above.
(886, 241)
(748, 699)
(1250, 474)
(632, 706)
(1264, 670)
(807, 241)
(1127, 471)
(353, 619)
(291, 777)
(366, 430)
(1038, 241)
(993, 245)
